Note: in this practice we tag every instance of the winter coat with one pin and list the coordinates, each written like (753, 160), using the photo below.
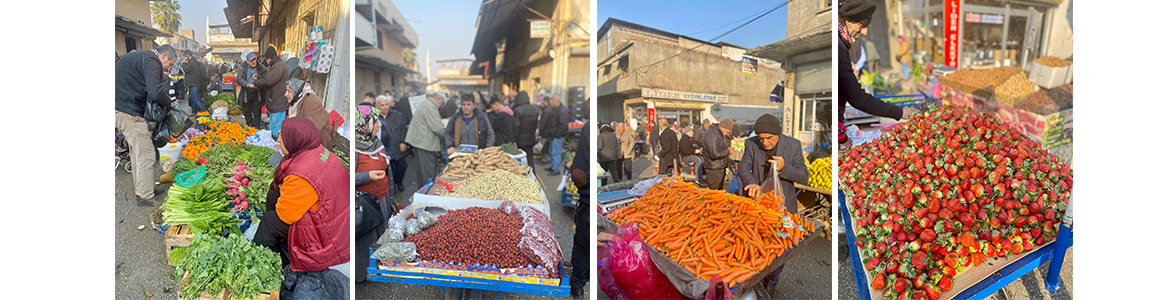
(558, 122)
(609, 147)
(753, 167)
(715, 153)
(527, 119)
(320, 238)
(274, 82)
(852, 93)
(668, 142)
(393, 133)
(628, 143)
(426, 128)
(687, 145)
(139, 78)
(479, 132)
(505, 127)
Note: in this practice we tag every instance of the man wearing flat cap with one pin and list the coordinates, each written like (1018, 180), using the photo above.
(853, 15)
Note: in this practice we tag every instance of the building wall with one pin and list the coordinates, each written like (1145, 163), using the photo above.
(804, 15)
(693, 72)
(138, 10)
(1060, 37)
(391, 49)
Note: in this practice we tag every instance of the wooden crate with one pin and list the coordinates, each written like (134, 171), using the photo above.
(177, 236)
(223, 294)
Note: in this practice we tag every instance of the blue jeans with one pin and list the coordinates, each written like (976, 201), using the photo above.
(196, 103)
(556, 151)
(274, 120)
(906, 70)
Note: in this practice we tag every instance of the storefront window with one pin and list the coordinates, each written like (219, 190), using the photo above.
(808, 113)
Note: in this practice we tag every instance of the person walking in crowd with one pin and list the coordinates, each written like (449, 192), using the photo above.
(609, 151)
(655, 132)
(527, 120)
(308, 202)
(871, 52)
(303, 102)
(250, 96)
(904, 57)
(579, 259)
(469, 127)
(668, 142)
(372, 167)
(196, 79)
(140, 80)
(558, 128)
(853, 16)
(688, 148)
(423, 135)
(626, 137)
(393, 136)
(716, 153)
(545, 116)
(275, 81)
(402, 105)
(502, 122)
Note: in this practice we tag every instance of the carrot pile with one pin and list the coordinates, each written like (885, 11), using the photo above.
(712, 232)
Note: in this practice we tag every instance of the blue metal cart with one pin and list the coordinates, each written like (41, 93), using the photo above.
(1053, 252)
(477, 285)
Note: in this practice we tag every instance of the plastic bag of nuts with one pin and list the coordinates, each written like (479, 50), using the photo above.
(413, 227)
(426, 218)
(391, 236)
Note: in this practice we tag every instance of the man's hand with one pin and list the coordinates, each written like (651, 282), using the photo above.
(450, 150)
(907, 111)
(753, 191)
(847, 145)
(377, 175)
(252, 86)
(778, 162)
(603, 238)
(402, 147)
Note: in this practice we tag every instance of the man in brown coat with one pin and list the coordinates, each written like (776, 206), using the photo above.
(273, 85)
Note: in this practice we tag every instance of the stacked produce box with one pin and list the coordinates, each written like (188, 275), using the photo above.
(938, 202)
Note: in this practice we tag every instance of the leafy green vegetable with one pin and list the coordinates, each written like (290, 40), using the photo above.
(243, 268)
(510, 149)
(183, 165)
(204, 207)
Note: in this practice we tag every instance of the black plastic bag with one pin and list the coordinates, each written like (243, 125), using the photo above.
(178, 122)
(327, 284)
(160, 135)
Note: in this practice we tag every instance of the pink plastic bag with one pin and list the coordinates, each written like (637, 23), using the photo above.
(632, 268)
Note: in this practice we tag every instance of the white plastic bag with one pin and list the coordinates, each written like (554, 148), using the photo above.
(219, 114)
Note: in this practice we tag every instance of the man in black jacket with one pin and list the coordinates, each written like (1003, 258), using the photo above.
(609, 152)
(196, 80)
(853, 16)
(558, 128)
(503, 123)
(401, 104)
(139, 79)
(393, 137)
(770, 149)
(689, 149)
(716, 150)
(668, 155)
(273, 84)
(469, 127)
(527, 119)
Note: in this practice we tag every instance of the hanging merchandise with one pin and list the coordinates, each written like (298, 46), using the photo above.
(310, 51)
(324, 59)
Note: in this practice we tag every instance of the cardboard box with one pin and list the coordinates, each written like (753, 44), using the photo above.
(1048, 77)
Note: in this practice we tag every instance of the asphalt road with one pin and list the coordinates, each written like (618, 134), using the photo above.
(139, 255)
(563, 226)
(808, 275)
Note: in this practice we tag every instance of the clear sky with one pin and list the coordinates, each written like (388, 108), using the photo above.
(445, 27)
(690, 17)
(196, 12)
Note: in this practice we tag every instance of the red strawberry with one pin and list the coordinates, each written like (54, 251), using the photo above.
(931, 291)
(977, 258)
(928, 235)
(945, 283)
(872, 263)
(879, 282)
(900, 284)
(919, 260)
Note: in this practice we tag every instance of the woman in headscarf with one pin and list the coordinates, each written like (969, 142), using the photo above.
(308, 202)
(303, 102)
(371, 169)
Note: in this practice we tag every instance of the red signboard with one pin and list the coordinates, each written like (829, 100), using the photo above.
(650, 111)
(951, 19)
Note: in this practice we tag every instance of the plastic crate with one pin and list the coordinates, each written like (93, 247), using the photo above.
(569, 199)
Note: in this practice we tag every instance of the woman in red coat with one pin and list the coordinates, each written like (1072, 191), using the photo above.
(311, 210)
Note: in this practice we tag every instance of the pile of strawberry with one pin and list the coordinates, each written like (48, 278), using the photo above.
(945, 191)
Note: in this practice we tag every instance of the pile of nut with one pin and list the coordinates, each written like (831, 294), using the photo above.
(1048, 101)
(482, 162)
(498, 185)
(1016, 87)
(970, 81)
(1062, 95)
(474, 235)
(1052, 61)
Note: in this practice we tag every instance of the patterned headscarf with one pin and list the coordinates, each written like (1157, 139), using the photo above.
(367, 139)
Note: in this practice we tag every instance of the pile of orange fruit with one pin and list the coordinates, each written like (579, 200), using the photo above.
(218, 132)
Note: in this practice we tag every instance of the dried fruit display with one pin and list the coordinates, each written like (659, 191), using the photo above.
(951, 188)
(474, 235)
(1053, 61)
(498, 185)
(482, 162)
(1015, 88)
(979, 82)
